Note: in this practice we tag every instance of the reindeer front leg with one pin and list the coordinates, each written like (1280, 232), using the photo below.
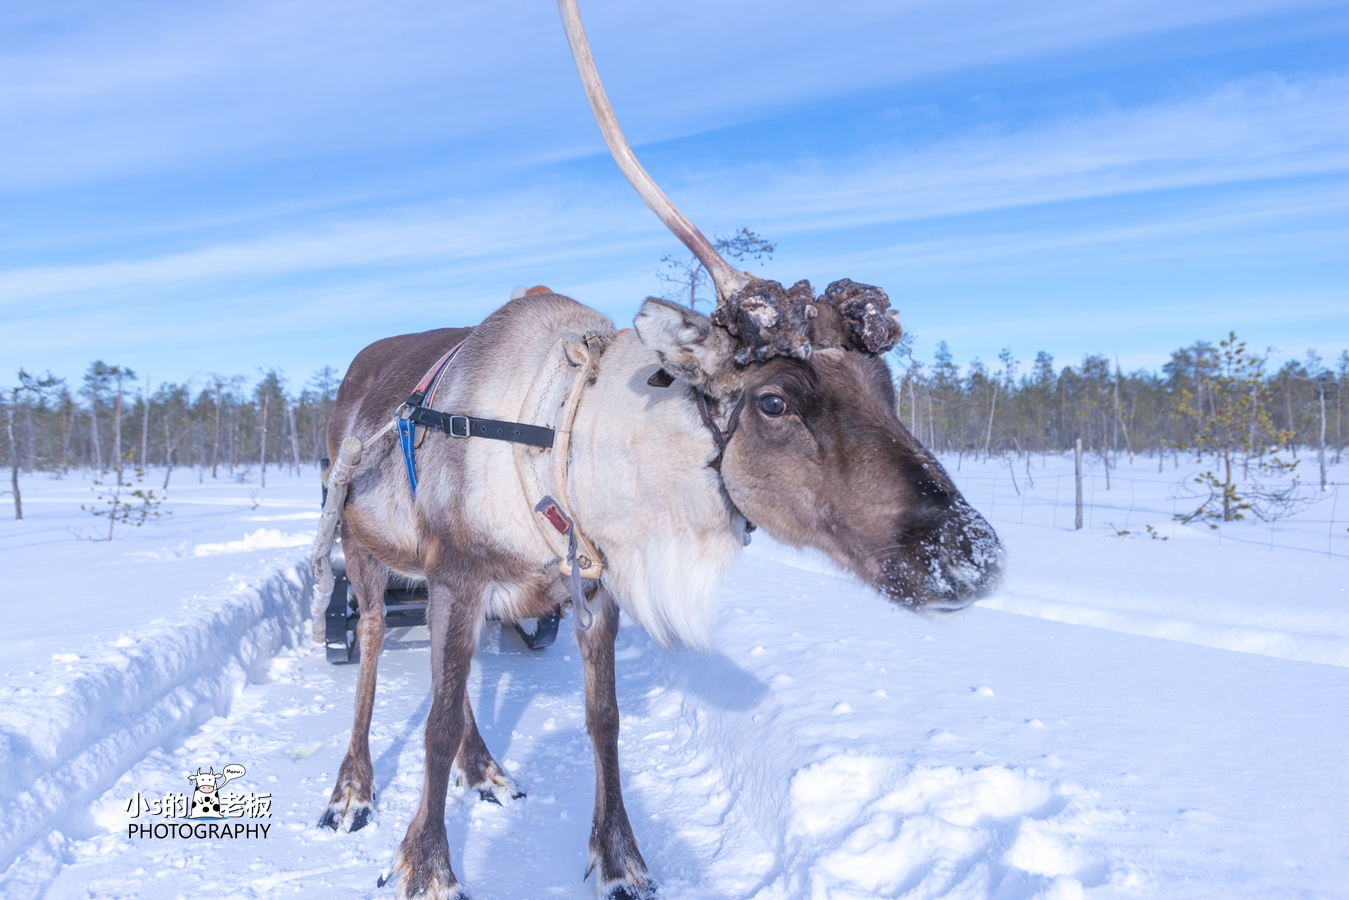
(353, 797)
(423, 860)
(613, 849)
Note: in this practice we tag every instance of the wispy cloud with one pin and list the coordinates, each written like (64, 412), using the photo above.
(526, 225)
(105, 89)
(1251, 131)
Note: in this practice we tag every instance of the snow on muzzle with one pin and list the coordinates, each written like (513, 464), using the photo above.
(945, 568)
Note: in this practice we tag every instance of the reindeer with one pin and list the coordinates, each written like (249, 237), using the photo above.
(625, 470)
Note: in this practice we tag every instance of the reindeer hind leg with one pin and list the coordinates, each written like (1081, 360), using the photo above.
(353, 797)
(477, 769)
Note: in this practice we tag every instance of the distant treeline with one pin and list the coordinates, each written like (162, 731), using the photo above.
(1205, 398)
(219, 424)
(225, 423)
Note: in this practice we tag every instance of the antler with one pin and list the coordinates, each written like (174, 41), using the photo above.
(727, 278)
(766, 318)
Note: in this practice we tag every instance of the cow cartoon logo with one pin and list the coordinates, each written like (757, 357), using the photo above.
(206, 793)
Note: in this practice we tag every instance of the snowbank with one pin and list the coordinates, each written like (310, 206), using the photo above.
(83, 707)
(65, 745)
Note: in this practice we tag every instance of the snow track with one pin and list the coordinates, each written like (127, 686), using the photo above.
(67, 742)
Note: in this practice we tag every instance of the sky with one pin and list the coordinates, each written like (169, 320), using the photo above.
(231, 186)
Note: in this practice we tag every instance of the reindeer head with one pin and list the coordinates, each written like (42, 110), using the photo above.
(819, 457)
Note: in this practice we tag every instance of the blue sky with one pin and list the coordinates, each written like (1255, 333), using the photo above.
(188, 188)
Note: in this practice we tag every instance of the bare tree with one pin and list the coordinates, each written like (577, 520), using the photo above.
(262, 438)
(271, 387)
(98, 381)
(32, 385)
(95, 390)
(145, 423)
(173, 400)
(1341, 381)
(294, 436)
(215, 439)
(325, 382)
(1319, 375)
(686, 277)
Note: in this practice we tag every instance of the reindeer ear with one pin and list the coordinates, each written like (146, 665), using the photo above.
(688, 344)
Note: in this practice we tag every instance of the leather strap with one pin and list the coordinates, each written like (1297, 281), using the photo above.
(467, 426)
(432, 376)
(719, 437)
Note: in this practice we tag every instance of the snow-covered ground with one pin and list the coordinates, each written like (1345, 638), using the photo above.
(1087, 731)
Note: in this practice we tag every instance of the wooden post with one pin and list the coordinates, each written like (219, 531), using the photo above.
(1077, 472)
(348, 457)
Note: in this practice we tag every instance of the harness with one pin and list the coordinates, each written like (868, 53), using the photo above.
(413, 413)
(578, 558)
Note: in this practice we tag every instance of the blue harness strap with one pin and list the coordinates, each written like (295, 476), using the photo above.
(407, 439)
(407, 431)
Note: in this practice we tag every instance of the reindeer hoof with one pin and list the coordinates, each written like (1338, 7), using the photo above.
(356, 814)
(428, 882)
(458, 894)
(360, 818)
(630, 892)
(495, 793)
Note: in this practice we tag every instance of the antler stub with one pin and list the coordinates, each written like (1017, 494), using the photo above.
(870, 325)
(769, 320)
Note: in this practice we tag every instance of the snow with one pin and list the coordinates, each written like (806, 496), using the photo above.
(1127, 717)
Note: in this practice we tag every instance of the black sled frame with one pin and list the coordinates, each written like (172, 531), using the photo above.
(404, 607)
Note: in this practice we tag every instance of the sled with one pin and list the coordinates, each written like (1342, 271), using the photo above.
(404, 607)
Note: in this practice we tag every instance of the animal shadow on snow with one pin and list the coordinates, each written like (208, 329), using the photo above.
(508, 687)
(718, 682)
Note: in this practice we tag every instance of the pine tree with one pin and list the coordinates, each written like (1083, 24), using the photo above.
(1236, 428)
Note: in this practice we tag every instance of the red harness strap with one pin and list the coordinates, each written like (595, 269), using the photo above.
(432, 377)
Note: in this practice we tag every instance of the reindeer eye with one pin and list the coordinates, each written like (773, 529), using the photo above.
(772, 405)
